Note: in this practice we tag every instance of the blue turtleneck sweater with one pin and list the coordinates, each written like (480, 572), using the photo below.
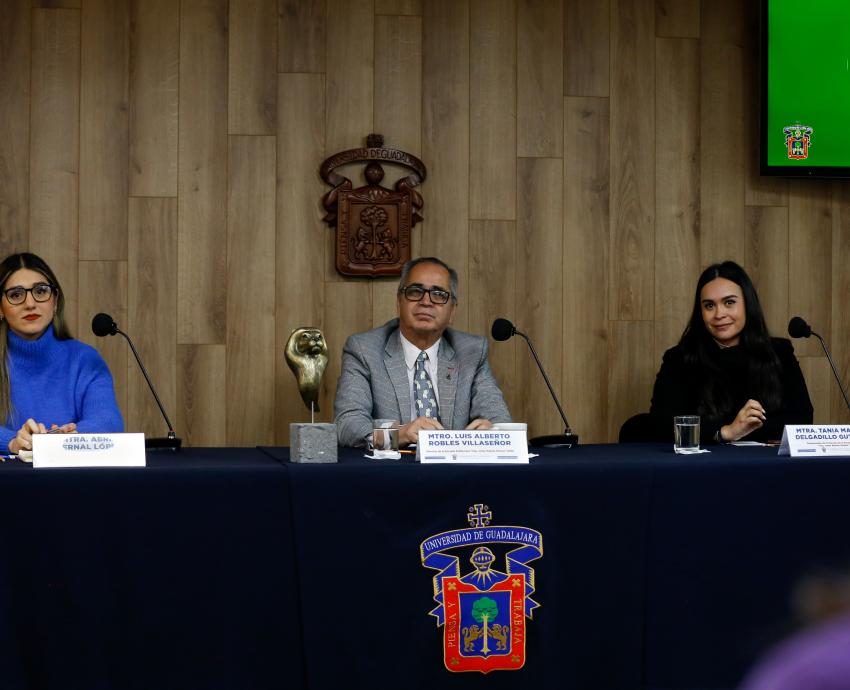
(56, 382)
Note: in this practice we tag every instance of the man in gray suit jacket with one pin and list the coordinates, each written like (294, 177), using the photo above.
(415, 369)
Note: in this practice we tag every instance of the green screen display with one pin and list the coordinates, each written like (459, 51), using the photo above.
(807, 115)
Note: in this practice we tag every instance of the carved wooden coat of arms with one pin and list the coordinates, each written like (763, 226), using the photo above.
(373, 223)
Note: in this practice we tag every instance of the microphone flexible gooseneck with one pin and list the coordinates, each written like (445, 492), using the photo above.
(103, 325)
(798, 328)
(503, 329)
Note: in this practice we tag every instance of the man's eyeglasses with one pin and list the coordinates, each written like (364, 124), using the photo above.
(415, 293)
(41, 292)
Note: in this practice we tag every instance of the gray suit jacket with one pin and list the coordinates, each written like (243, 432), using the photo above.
(373, 383)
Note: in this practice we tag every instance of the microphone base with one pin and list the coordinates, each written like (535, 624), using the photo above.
(166, 444)
(554, 441)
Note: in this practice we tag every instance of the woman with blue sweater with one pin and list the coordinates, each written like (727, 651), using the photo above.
(48, 380)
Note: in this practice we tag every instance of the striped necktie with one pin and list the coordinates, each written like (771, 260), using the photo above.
(423, 390)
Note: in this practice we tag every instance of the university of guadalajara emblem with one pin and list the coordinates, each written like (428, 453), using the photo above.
(798, 138)
(483, 613)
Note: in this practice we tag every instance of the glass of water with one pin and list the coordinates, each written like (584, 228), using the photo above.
(686, 434)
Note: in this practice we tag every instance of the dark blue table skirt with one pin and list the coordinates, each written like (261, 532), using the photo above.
(175, 576)
(231, 568)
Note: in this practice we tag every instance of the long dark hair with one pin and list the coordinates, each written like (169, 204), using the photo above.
(697, 345)
(10, 264)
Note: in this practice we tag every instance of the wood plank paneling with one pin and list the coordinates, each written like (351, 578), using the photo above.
(300, 245)
(104, 129)
(251, 291)
(767, 263)
(348, 308)
(56, 4)
(151, 320)
(103, 288)
(445, 136)
(350, 89)
(301, 30)
(15, 52)
(840, 333)
(54, 146)
(631, 371)
(632, 160)
(587, 27)
(810, 259)
(492, 106)
(252, 77)
(202, 172)
(154, 71)
(586, 219)
(539, 302)
(398, 116)
(201, 398)
(677, 18)
(722, 158)
(540, 69)
(492, 293)
(677, 187)
(399, 7)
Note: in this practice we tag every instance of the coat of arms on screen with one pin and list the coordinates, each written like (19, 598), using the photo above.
(373, 223)
(483, 612)
(798, 138)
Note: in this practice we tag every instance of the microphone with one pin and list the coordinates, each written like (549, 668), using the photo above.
(102, 325)
(798, 328)
(502, 330)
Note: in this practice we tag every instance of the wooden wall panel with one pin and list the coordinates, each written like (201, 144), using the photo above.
(300, 244)
(54, 146)
(540, 70)
(398, 116)
(539, 304)
(492, 293)
(677, 18)
(587, 56)
(56, 4)
(492, 107)
(153, 83)
(202, 172)
(632, 160)
(677, 200)
(103, 289)
(722, 158)
(252, 77)
(350, 88)
(151, 318)
(631, 370)
(348, 309)
(301, 31)
(839, 339)
(400, 7)
(586, 219)
(104, 129)
(251, 350)
(201, 395)
(14, 125)
(767, 263)
(810, 259)
(445, 137)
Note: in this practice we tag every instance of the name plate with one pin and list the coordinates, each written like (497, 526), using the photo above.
(88, 450)
(823, 440)
(472, 447)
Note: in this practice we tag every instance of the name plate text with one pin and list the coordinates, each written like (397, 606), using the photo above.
(88, 450)
(816, 440)
(472, 447)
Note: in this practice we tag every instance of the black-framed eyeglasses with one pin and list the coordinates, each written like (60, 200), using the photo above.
(415, 293)
(41, 292)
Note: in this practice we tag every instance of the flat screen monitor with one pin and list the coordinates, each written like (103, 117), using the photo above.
(805, 83)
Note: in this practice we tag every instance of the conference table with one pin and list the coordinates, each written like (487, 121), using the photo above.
(234, 568)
